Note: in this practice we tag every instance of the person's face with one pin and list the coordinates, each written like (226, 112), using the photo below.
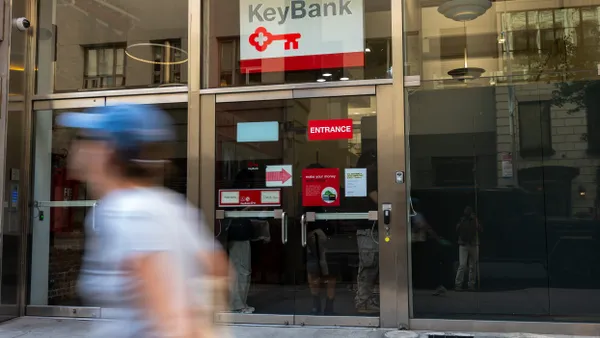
(88, 159)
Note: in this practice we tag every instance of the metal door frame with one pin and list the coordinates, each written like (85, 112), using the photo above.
(88, 100)
(390, 127)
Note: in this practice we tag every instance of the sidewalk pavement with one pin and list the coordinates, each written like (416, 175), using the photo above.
(36, 327)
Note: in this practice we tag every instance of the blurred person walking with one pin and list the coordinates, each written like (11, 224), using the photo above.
(148, 258)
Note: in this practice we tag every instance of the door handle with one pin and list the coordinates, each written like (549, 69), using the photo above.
(284, 228)
(303, 229)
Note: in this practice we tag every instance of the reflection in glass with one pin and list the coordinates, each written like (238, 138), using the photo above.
(58, 236)
(233, 62)
(88, 41)
(517, 147)
(337, 272)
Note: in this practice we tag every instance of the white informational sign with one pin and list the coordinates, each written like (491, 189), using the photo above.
(279, 176)
(309, 34)
(507, 165)
(356, 182)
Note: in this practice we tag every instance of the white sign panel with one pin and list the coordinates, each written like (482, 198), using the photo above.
(356, 182)
(278, 176)
(310, 34)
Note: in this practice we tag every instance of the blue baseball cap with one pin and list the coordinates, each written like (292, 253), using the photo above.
(128, 126)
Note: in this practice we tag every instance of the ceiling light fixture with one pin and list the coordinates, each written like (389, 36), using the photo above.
(166, 63)
(368, 50)
(321, 80)
(327, 74)
(344, 78)
(464, 10)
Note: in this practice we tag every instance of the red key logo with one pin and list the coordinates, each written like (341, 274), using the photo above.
(261, 39)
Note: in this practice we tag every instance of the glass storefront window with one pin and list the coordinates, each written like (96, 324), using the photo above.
(331, 269)
(504, 163)
(257, 42)
(100, 45)
(61, 205)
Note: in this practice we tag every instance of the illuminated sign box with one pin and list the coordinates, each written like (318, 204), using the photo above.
(258, 131)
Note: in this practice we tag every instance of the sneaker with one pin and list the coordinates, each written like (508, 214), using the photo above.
(316, 308)
(248, 309)
(328, 307)
(440, 291)
(368, 307)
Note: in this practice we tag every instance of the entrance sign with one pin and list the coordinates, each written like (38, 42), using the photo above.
(355, 183)
(284, 35)
(278, 175)
(249, 198)
(339, 129)
(321, 187)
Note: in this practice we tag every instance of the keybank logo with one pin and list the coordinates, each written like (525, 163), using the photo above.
(298, 9)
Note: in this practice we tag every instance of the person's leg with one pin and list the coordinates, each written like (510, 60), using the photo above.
(239, 253)
(366, 261)
(314, 271)
(473, 262)
(463, 254)
(439, 268)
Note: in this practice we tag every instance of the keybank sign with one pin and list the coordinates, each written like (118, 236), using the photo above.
(298, 10)
(280, 35)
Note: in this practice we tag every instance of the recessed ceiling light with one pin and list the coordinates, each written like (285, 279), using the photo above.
(327, 74)
(321, 80)
(368, 50)
(344, 78)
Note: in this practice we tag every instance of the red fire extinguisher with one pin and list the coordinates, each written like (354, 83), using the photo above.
(63, 189)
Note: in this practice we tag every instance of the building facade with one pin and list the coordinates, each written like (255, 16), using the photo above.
(366, 129)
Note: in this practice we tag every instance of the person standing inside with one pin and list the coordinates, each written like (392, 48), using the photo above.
(367, 237)
(427, 249)
(239, 232)
(318, 267)
(468, 229)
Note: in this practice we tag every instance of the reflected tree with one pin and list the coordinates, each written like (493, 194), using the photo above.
(571, 62)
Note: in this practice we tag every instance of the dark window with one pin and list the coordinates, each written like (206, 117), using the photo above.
(104, 66)
(535, 129)
(168, 60)
(453, 171)
(591, 102)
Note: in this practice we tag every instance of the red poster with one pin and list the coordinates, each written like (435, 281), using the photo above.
(249, 198)
(329, 129)
(321, 187)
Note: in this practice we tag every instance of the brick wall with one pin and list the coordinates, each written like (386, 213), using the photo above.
(568, 142)
(65, 262)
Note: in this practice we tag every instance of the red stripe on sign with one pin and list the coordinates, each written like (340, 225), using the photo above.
(306, 62)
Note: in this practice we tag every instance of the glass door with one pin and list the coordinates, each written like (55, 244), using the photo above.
(61, 205)
(302, 173)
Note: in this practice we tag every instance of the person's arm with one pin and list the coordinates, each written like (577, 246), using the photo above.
(423, 225)
(151, 272)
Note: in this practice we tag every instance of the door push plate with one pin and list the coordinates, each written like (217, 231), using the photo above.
(220, 214)
(311, 216)
(278, 213)
(373, 215)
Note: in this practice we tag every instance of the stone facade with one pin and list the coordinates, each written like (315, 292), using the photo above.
(569, 144)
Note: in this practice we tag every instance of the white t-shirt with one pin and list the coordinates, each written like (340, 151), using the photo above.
(133, 222)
